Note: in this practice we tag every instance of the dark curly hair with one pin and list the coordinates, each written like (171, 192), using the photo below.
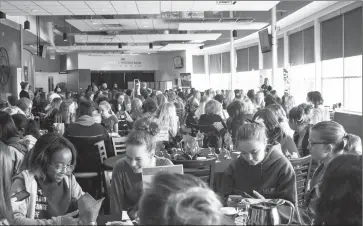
(38, 159)
(315, 98)
(341, 187)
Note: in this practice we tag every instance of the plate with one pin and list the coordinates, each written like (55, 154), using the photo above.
(229, 211)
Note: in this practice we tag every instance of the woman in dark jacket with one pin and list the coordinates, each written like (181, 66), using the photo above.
(24, 90)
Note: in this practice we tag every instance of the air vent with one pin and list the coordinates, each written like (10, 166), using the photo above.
(113, 25)
(220, 20)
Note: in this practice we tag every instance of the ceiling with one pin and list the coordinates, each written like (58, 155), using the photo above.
(97, 26)
(125, 7)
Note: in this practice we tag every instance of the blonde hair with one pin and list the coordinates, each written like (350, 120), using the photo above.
(107, 106)
(166, 115)
(194, 206)
(255, 131)
(229, 97)
(213, 107)
(288, 102)
(179, 199)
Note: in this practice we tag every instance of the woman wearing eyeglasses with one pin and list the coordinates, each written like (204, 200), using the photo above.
(46, 193)
(327, 140)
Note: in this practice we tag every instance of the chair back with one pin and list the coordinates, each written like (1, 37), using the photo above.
(203, 169)
(302, 167)
(119, 145)
(91, 152)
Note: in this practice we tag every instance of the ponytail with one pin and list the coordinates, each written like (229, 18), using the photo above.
(353, 144)
(194, 206)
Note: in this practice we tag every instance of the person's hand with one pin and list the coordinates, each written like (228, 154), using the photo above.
(258, 195)
(70, 219)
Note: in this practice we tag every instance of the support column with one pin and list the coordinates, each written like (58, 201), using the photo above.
(317, 51)
(274, 44)
(286, 51)
(260, 64)
(206, 67)
(232, 56)
(21, 31)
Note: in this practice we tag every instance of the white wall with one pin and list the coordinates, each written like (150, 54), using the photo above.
(141, 62)
(72, 61)
(41, 79)
(166, 70)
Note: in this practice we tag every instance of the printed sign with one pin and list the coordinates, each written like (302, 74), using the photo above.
(186, 80)
(149, 173)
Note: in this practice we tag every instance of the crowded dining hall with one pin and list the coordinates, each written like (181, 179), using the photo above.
(180, 112)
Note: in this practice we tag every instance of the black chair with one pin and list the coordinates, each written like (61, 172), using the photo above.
(203, 169)
(89, 168)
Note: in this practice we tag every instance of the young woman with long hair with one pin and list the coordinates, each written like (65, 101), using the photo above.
(126, 185)
(167, 118)
(276, 133)
(109, 119)
(327, 140)
(50, 191)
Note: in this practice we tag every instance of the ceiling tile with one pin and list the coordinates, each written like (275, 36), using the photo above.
(12, 12)
(148, 7)
(165, 6)
(74, 4)
(5, 5)
(171, 47)
(221, 26)
(125, 7)
(21, 3)
(139, 38)
(125, 38)
(47, 3)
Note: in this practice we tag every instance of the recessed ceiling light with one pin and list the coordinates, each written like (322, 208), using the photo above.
(34, 10)
(146, 26)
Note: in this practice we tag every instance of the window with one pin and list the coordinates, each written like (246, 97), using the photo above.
(247, 80)
(302, 81)
(342, 60)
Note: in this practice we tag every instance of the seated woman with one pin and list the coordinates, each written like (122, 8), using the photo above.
(51, 191)
(167, 118)
(341, 187)
(31, 133)
(149, 108)
(260, 169)
(6, 170)
(316, 99)
(212, 125)
(50, 117)
(299, 121)
(126, 185)
(26, 106)
(109, 119)
(276, 134)
(280, 114)
(327, 140)
(177, 199)
(241, 113)
(355, 145)
(136, 109)
(10, 135)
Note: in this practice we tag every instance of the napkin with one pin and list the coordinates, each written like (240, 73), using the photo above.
(89, 208)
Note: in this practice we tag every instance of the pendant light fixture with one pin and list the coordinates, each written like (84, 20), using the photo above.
(27, 25)
(120, 45)
(234, 34)
(200, 47)
(150, 45)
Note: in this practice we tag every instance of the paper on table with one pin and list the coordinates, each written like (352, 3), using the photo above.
(89, 208)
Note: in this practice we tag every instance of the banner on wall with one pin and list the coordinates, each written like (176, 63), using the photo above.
(186, 80)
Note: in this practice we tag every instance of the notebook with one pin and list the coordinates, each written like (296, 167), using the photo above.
(148, 173)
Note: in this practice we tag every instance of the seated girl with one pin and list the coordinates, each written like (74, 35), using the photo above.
(327, 140)
(177, 199)
(261, 169)
(46, 193)
(10, 135)
(212, 125)
(6, 170)
(126, 185)
(276, 133)
(109, 119)
(240, 113)
(341, 187)
(299, 121)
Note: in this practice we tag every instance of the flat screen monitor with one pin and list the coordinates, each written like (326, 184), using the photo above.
(265, 40)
